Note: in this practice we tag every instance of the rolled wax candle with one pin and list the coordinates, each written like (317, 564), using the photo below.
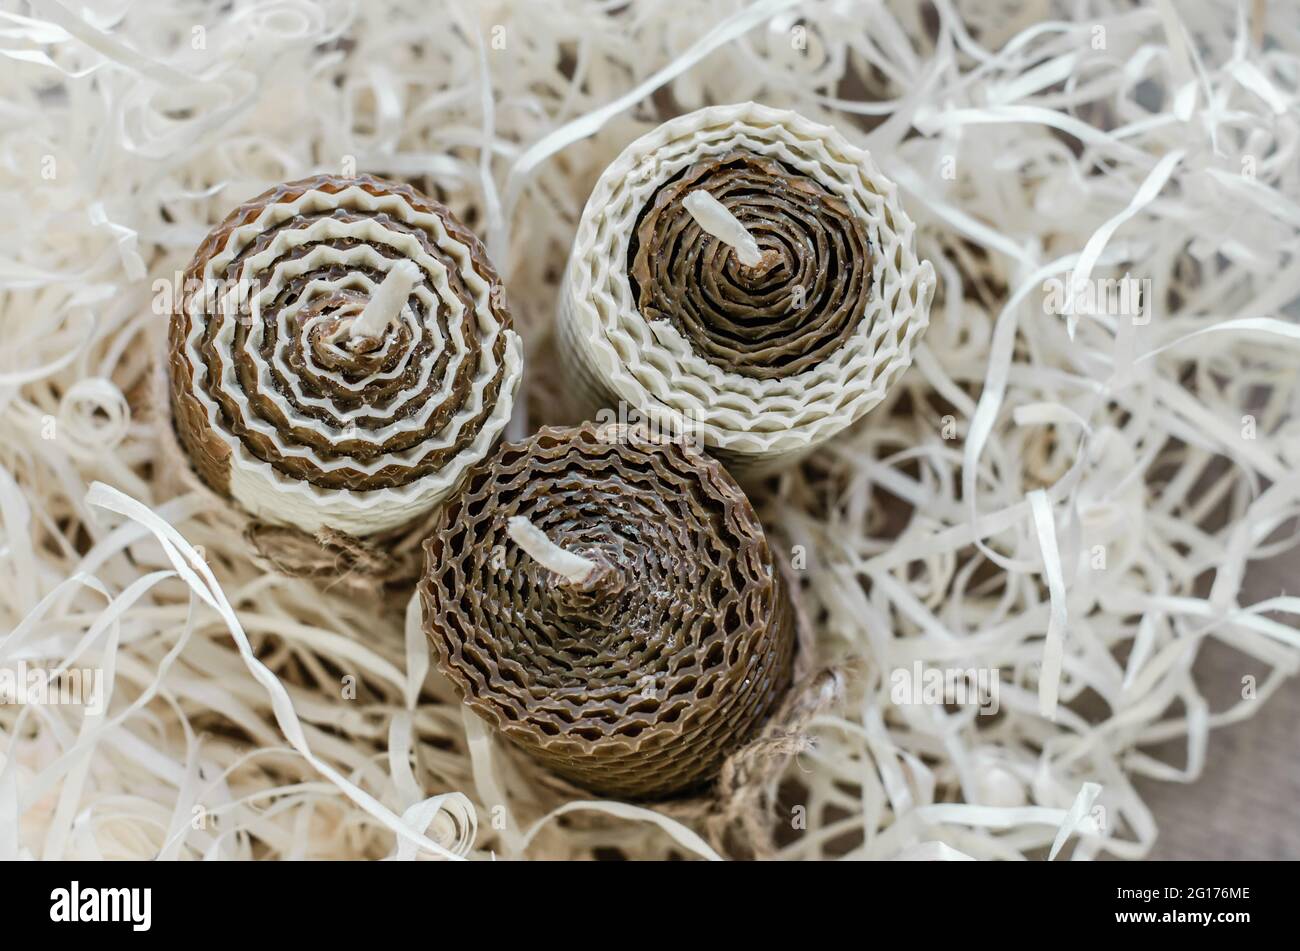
(748, 274)
(341, 356)
(610, 604)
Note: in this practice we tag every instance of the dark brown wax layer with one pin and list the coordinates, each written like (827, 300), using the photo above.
(355, 360)
(778, 318)
(639, 681)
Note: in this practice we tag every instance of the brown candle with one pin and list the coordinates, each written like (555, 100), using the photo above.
(609, 602)
(341, 354)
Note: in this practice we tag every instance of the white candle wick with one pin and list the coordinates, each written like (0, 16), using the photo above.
(713, 216)
(548, 554)
(386, 305)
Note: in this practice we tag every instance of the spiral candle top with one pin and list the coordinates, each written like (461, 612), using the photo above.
(642, 635)
(765, 354)
(342, 354)
(789, 311)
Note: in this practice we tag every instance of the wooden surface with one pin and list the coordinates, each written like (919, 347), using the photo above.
(1246, 805)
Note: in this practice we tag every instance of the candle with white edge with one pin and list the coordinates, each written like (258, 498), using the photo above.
(739, 265)
(356, 316)
(545, 552)
(386, 305)
(713, 216)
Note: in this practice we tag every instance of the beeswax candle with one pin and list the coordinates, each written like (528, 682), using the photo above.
(341, 356)
(610, 604)
(748, 274)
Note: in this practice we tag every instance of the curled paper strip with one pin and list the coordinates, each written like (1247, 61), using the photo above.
(765, 357)
(640, 677)
(341, 354)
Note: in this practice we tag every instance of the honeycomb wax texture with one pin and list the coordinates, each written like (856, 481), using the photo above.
(640, 679)
(788, 312)
(283, 409)
(765, 361)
